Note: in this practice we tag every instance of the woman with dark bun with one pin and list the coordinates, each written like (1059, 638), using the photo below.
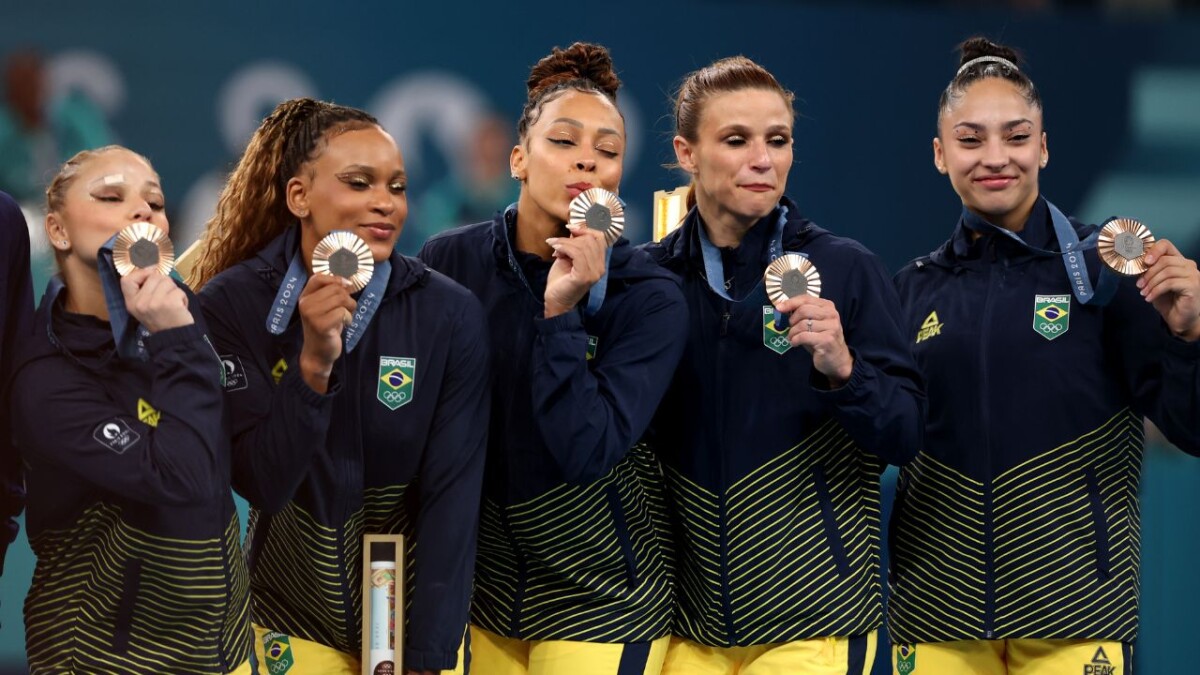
(1014, 540)
(120, 425)
(573, 574)
(774, 435)
(354, 412)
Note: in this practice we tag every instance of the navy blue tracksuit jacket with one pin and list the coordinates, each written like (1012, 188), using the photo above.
(1019, 518)
(127, 463)
(774, 477)
(573, 544)
(364, 458)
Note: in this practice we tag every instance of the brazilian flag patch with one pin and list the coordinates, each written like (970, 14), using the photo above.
(397, 379)
(906, 659)
(776, 341)
(1051, 315)
(278, 652)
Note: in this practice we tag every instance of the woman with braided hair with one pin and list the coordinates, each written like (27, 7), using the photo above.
(354, 412)
(572, 575)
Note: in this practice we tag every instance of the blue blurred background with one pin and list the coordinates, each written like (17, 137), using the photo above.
(186, 84)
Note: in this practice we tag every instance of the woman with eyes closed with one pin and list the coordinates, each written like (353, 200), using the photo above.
(572, 574)
(355, 413)
(1014, 539)
(120, 423)
(773, 436)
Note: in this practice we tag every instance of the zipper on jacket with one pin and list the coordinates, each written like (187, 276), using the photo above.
(514, 627)
(989, 534)
(723, 478)
(342, 505)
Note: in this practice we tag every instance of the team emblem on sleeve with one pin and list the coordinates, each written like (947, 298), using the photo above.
(116, 435)
(235, 374)
(1051, 315)
(775, 340)
(147, 414)
(397, 378)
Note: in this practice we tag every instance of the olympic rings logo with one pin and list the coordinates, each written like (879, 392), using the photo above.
(1048, 327)
(779, 341)
(394, 396)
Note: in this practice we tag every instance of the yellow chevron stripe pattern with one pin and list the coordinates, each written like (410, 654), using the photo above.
(1066, 544)
(1051, 536)
(109, 598)
(306, 573)
(570, 575)
(938, 565)
(801, 547)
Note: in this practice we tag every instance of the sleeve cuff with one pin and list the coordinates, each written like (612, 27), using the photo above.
(858, 378)
(291, 378)
(1177, 346)
(565, 322)
(173, 337)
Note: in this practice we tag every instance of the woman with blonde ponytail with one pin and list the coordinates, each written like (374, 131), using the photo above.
(354, 413)
(119, 420)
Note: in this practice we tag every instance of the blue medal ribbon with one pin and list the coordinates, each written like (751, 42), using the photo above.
(1070, 248)
(595, 294)
(714, 270)
(129, 335)
(293, 284)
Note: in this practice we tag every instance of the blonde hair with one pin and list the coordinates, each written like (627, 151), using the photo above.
(56, 191)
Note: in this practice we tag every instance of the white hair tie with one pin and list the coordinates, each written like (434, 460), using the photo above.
(987, 59)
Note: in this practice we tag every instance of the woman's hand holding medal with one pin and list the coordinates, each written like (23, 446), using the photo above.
(794, 286)
(1172, 283)
(597, 220)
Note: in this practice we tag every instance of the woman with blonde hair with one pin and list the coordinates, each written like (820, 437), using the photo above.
(120, 422)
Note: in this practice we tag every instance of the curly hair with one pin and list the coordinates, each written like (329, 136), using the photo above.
(252, 209)
(582, 66)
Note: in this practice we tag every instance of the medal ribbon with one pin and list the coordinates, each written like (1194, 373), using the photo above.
(1070, 248)
(714, 270)
(595, 294)
(129, 335)
(293, 283)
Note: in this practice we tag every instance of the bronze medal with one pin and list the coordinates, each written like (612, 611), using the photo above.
(599, 210)
(1122, 246)
(343, 254)
(142, 245)
(791, 275)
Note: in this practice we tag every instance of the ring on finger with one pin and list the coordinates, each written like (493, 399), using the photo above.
(809, 326)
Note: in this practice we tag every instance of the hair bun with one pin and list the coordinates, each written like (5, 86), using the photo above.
(580, 61)
(975, 47)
